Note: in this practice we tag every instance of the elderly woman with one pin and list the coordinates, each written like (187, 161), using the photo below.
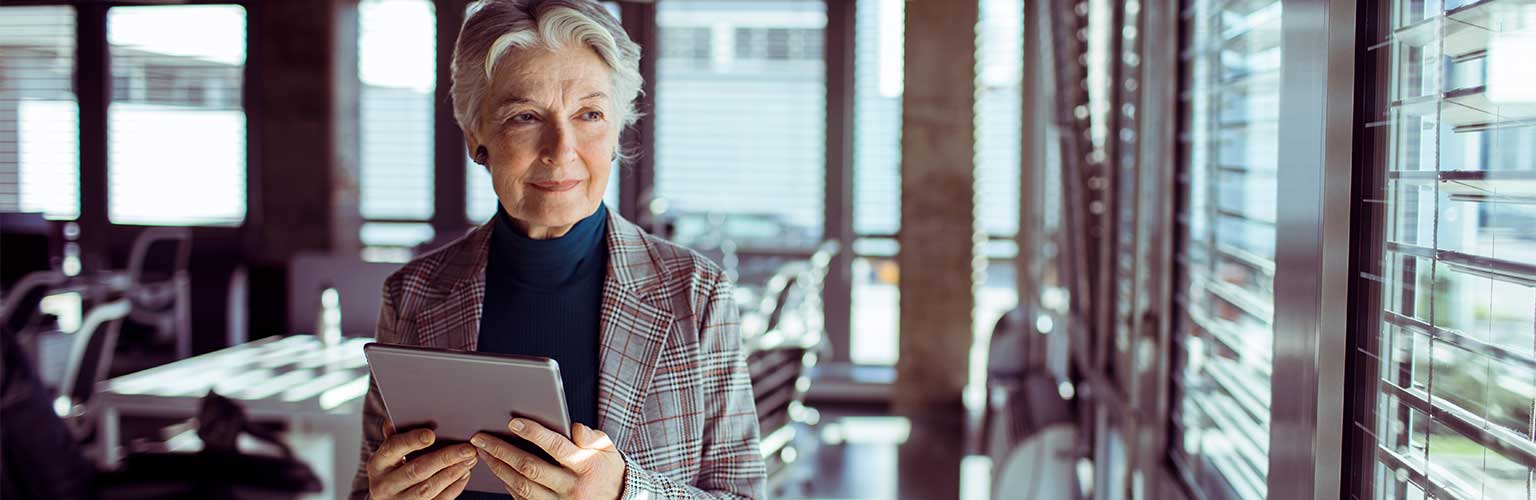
(644, 330)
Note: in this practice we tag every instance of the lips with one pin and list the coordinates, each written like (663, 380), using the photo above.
(555, 186)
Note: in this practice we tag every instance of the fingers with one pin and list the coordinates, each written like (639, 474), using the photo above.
(454, 490)
(421, 469)
(591, 439)
(552, 442)
(518, 485)
(439, 482)
(525, 464)
(388, 428)
(395, 448)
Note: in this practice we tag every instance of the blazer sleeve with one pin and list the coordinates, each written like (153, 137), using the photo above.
(732, 462)
(373, 405)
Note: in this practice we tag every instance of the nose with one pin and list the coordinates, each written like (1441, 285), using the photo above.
(558, 147)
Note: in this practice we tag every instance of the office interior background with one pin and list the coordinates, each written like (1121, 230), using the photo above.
(1190, 249)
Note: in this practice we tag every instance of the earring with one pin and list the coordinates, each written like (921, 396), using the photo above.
(481, 155)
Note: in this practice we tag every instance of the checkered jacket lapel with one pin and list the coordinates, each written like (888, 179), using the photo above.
(454, 295)
(634, 325)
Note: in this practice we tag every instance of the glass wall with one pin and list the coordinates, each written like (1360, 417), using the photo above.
(1226, 262)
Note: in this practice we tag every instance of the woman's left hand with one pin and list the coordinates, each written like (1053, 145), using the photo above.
(590, 467)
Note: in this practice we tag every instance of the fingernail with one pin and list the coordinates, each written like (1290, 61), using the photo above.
(517, 425)
(477, 441)
(426, 437)
(467, 453)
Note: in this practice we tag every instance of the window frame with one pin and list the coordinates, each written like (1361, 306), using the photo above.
(1314, 246)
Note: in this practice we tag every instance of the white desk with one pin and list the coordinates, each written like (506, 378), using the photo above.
(296, 379)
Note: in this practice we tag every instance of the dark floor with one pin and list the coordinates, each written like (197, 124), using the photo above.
(856, 453)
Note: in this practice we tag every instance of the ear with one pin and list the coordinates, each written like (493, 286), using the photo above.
(470, 142)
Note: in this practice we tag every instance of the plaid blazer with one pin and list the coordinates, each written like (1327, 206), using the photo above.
(673, 388)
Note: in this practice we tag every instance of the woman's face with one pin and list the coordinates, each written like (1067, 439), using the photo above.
(550, 129)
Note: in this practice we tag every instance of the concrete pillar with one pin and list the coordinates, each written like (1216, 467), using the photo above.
(938, 256)
(304, 189)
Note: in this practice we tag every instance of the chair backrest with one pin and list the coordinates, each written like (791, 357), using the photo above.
(359, 284)
(1009, 353)
(159, 254)
(780, 289)
(91, 354)
(23, 300)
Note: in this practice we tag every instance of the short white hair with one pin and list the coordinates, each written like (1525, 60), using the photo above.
(493, 27)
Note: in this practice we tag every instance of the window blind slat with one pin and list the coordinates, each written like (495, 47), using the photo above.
(1515, 447)
(1463, 341)
(1413, 473)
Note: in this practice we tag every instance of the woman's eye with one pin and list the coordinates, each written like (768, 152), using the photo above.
(523, 118)
(592, 115)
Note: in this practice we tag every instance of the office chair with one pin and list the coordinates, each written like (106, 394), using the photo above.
(780, 357)
(160, 287)
(1029, 425)
(89, 360)
(22, 301)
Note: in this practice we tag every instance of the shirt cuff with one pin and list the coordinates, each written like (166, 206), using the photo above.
(637, 482)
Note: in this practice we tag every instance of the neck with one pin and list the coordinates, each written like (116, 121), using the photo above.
(540, 232)
(545, 257)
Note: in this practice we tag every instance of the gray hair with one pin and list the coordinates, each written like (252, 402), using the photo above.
(492, 27)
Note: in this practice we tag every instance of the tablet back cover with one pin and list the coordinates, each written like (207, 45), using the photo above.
(459, 393)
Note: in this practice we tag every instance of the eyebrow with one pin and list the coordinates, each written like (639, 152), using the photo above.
(516, 99)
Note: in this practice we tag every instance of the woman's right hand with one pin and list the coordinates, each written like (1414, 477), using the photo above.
(442, 474)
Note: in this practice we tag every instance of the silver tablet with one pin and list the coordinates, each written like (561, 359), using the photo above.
(457, 394)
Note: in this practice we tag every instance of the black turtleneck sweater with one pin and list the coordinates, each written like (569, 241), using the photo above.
(543, 298)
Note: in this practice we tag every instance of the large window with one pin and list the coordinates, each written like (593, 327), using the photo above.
(397, 69)
(878, 60)
(176, 124)
(39, 117)
(1452, 327)
(740, 121)
(1225, 272)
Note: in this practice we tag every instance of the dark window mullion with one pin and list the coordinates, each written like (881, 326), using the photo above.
(448, 180)
(93, 80)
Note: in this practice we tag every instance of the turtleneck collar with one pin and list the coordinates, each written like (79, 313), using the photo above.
(547, 264)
